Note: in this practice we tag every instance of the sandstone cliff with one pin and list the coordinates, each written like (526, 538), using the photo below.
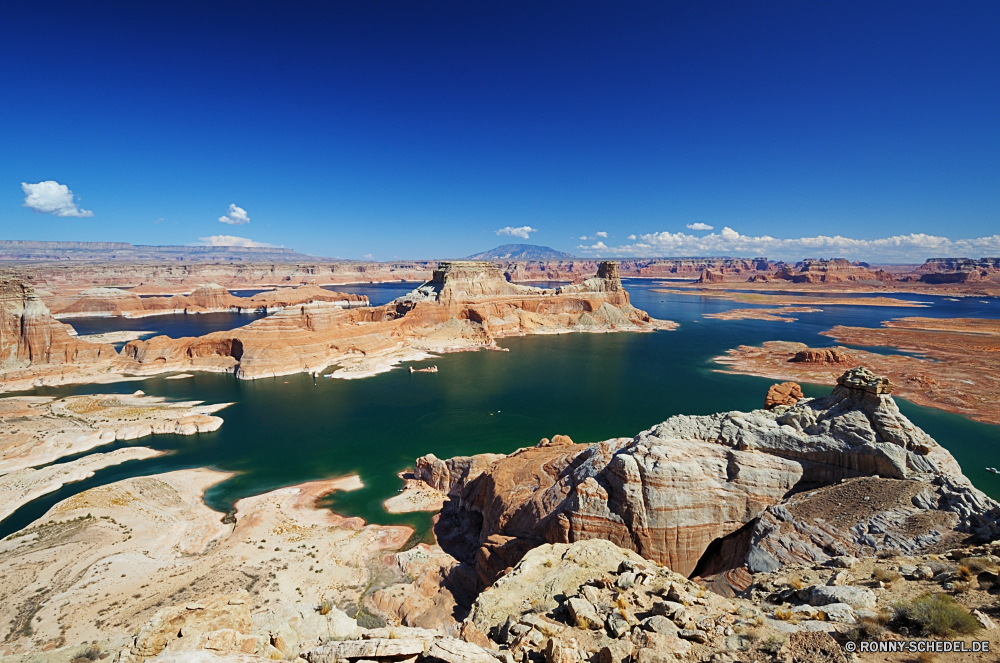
(29, 335)
(673, 491)
(466, 305)
(205, 298)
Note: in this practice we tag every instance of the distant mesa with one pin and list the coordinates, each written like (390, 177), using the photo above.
(522, 252)
(123, 251)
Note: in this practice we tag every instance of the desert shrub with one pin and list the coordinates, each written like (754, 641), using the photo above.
(938, 614)
(886, 576)
(869, 628)
(368, 620)
(796, 583)
(92, 652)
(927, 657)
(888, 553)
(773, 644)
(325, 607)
(973, 566)
(783, 614)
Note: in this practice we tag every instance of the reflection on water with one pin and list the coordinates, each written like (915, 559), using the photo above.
(589, 386)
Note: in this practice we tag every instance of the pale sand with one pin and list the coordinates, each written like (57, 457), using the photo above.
(792, 300)
(151, 541)
(39, 430)
(415, 496)
(770, 314)
(115, 337)
(19, 487)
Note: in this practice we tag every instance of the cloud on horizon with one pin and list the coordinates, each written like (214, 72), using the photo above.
(699, 226)
(912, 248)
(521, 232)
(237, 216)
(50, 197)
(230, 240)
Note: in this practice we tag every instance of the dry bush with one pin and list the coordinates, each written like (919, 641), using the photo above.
(973, 566)
(796, 583)
(886, 576)
(783, 614)
(938, 614)
(927, 657)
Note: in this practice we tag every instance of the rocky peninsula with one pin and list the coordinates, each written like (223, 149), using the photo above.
(956, 367)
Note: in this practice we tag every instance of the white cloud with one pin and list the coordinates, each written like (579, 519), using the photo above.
(584, 238)
(699, 226)
(237, 216)
(631, 238)
(601, 234)
(521, 232)
(50, 197)
(912, 248)
(229, 240)
(369, 256)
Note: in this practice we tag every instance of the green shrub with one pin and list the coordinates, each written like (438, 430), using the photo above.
(938, 614)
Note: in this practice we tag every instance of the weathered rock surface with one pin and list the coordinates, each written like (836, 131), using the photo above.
(786, 393)
(130, 549)
(673, 490)
(203, 299)
(35, 430)
(29, 335)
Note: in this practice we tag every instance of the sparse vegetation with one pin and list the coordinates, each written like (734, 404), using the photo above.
(325, 607)
(773, 644)
(796, 583)
(884, 575)
(938, 614)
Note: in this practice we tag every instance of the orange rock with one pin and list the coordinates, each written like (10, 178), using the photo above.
(785, 393)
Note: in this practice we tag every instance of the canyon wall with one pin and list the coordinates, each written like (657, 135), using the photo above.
(29, 335)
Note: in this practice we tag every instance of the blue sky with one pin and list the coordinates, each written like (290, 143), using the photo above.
(414, 130)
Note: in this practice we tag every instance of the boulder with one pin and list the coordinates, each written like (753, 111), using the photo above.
(785, 393)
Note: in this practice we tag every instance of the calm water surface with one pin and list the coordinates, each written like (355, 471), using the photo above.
(284, 431)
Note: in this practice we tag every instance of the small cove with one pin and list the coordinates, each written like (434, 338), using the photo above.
(287, 430)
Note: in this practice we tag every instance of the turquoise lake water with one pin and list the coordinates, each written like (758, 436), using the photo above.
(287, 430)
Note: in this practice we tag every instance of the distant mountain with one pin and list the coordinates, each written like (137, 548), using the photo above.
(522, 252)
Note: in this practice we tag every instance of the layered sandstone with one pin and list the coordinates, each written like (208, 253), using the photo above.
(466, 305)
(673, 490)
(206, 298)
(30, 336)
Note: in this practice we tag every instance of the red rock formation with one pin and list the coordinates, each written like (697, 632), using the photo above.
(210, 297)
(466, 305)
(837, 270)
(785, 393)
(709, 276)
(822, 356)
(30, 336)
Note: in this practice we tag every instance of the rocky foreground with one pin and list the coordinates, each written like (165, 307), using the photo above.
(779, 534)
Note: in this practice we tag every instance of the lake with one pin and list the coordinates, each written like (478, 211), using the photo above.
(287, 430)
